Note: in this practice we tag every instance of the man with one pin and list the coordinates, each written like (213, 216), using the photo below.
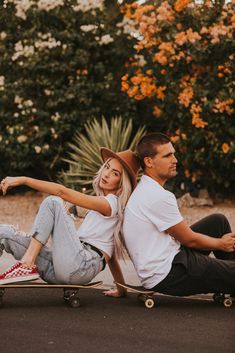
(168, 255)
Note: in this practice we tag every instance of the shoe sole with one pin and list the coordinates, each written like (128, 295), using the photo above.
(20, 279)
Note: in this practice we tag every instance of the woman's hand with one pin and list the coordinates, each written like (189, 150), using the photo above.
(11, 182)
(115, 293)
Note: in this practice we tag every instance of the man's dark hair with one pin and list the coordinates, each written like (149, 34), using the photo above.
(146, 147)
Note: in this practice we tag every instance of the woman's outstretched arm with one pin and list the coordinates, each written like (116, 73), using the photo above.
(96, 203)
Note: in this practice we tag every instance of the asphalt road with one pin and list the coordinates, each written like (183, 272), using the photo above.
(38, 321)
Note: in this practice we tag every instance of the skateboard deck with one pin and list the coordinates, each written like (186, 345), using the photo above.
(70, 290)
(147, 296)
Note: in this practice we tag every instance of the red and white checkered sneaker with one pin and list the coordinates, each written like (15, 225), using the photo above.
(19, 273)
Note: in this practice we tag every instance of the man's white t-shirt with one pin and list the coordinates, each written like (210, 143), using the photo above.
(150, 211)
(98, 230)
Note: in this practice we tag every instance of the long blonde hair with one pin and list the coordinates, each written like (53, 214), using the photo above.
(123, 192)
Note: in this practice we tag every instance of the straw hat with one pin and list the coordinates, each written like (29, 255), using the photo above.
(128, 160)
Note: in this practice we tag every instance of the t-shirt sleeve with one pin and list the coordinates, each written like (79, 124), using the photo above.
(165, 213)
(113, 201)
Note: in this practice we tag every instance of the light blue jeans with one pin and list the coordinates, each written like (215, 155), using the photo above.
(67, 260)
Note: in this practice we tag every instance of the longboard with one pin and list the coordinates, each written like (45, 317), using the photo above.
(147, 296)
(70, 290)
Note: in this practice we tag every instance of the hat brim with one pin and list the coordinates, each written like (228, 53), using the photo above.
(106, 154)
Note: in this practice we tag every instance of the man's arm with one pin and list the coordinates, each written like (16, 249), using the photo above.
(186, 236)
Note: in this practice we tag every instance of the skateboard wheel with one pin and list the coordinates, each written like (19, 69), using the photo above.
(74, 302)
(228, 302)
(149, 303)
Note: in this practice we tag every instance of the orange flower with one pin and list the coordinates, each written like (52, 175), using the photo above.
(180, 5)
(139, 97)
(167, 47)
(225, 148)
(194, 177)
(223, 106)
(132, 91)
(197, 121)
(192, 36)
(147, 89)
(186, 96)
(125, 77)
(157, 111)
(163, 72)
(125, 86)
(159, 92)
(136, 80)
(165, 12)
(161, 58)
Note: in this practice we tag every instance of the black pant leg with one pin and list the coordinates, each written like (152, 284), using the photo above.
(215, 225)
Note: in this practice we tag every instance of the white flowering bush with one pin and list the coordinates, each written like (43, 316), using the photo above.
(61, 64)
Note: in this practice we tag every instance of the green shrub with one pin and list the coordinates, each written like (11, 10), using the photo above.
(60, 64)
(84, 152)
(184, 71)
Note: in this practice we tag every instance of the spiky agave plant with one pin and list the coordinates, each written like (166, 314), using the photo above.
(85, 159)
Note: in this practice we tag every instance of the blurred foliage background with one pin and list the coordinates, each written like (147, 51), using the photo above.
(166, 65)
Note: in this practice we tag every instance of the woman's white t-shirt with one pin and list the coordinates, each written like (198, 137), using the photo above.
(97, 229)
(150, 211)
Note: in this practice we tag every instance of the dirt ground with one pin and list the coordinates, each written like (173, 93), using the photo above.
(21, 209)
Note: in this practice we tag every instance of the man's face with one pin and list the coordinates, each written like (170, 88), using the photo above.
(162, 166)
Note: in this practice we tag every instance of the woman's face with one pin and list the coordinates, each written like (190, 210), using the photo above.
(111, 176)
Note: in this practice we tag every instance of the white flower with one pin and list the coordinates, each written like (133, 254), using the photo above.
(140, 59)
(22, 7)
(37, 149)
(28, 103)
(46, 41)
(46, 147)
(47, 92)
(18, 100)
(3, 35)
(21, 50)
(10, 130)
(2, 80)
(106, 39)
(48, 5)
(128, 25)
(88, 28)
(87, 5)
(54, 134)
(22, 138)
(55, 117)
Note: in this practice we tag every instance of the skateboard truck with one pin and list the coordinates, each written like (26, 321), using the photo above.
(223, 299)
(144, 295)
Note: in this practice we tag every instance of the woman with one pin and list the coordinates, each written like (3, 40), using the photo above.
(75, 257)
